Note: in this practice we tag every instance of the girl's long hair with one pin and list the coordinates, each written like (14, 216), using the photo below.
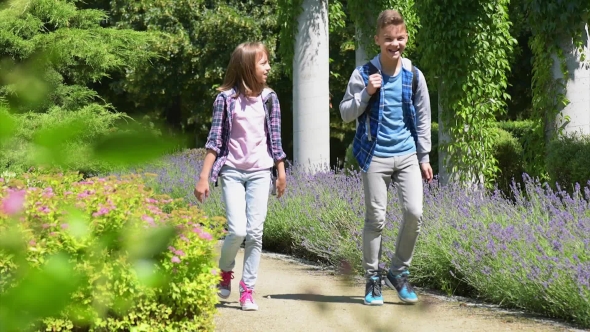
(241, 71)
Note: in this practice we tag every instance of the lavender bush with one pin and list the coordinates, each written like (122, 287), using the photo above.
(531, 251)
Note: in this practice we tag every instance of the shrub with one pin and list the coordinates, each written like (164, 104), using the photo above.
(350, 162)
(519, 129)
(509, 153)
(20, 153)
(530, 252)
(434, 149)
(568, 161)
(110, 230)
(507, 150)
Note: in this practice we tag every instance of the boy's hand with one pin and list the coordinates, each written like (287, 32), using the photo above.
(374, 83)
(426, 171)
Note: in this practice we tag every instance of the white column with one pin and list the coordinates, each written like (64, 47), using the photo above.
(311, 113)
(577, 88)
(360, 54)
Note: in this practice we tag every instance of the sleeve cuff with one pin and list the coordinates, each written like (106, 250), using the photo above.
(423, 158)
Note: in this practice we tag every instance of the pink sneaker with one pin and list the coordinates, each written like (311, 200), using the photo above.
(224, 286)
(246, 299)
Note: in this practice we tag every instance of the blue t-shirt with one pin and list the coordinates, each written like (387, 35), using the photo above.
(394, 137)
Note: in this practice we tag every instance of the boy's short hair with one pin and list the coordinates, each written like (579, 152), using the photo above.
(389, 17)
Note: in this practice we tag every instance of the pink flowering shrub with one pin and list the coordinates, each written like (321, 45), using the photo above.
(113, 232)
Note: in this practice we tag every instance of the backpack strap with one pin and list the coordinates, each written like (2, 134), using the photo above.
(414, 82)
(375, 96)
(273, 170)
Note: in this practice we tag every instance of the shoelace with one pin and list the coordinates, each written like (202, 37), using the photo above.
(246, 294)
(406, 283)
(226, 278)
(376, 285)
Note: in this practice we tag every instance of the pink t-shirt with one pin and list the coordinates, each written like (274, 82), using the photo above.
(248, 148)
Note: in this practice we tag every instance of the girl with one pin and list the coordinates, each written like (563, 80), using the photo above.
(244, 144)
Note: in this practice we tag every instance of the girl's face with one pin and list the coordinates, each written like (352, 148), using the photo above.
(262, 68)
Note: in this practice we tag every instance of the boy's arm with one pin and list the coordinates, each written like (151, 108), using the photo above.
(423, 121)
(356, 99)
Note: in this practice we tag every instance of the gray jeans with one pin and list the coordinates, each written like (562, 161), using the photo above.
(405, 172)
(245, 194)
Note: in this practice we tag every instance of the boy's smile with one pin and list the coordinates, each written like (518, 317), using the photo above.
(392, 40)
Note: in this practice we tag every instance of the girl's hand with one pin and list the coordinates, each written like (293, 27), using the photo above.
(202, 190)
(281, 184)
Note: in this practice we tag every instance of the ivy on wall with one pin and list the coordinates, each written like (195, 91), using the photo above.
(465, 47)
(553, 24)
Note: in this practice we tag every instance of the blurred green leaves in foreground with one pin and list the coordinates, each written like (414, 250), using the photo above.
(50, 121)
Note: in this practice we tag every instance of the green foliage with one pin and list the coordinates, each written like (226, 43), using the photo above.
(567, 161)
(434, 147)
(37, 132)
(114, 254)
(62, 46)
(508, 146)
(466, 47)
(553, 24)
(51, 52)
(287, 14)
(196, 38)
(350, 162)
(521, 130)
(509, 154)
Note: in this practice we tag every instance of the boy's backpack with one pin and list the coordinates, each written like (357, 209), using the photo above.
(373, 70)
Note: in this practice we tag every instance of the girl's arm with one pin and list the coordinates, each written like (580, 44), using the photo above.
(278, 154)
(207, 165)
(214, 141)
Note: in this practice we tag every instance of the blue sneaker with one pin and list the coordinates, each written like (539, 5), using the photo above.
(400, 283)
(373, 291)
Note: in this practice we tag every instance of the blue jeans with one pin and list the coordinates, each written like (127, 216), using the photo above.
(245, 194)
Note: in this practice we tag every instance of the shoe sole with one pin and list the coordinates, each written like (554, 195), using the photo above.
(250, 308)
(223, 297)
(375, 303)
(390, 285)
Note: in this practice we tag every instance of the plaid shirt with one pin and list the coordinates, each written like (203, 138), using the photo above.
(365, 139)
(223, 111)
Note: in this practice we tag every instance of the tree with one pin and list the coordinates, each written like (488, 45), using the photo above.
(196, 40)
(51, 53)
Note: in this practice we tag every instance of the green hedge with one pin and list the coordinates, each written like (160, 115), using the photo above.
(568, 161)
(509, 153)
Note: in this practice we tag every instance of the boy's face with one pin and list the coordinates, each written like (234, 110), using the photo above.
(392, 40)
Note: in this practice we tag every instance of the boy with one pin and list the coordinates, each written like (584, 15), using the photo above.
(392, 142)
